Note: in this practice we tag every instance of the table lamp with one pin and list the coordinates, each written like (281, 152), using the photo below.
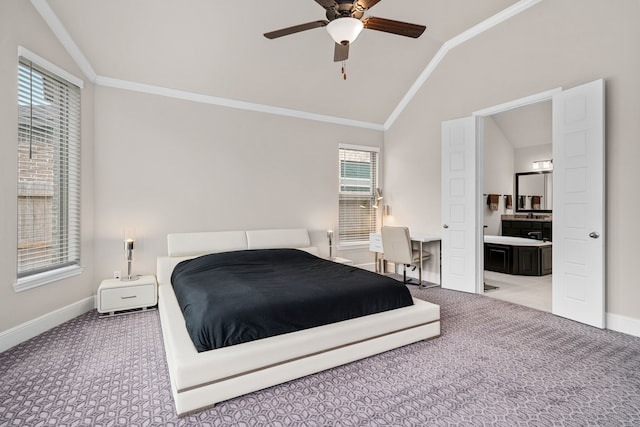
(330, 237)
(129, 240)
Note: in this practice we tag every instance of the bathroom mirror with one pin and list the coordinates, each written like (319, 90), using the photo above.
(534, 192)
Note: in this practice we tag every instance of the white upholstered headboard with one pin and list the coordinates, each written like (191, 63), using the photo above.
(271, 239)
(193, 244)
(182, 246)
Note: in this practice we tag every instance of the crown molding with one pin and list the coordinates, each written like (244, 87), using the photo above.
(43, 8)
(230, 103)
(472, 32)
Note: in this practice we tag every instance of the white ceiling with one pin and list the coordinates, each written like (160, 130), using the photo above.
(526, 126)
(216, 48)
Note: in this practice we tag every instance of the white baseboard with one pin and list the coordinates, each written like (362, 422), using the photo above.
(367, 266)
(14, 336)
(32, 328)
(624, 324)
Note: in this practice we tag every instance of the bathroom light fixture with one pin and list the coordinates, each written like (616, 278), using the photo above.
(543, 164)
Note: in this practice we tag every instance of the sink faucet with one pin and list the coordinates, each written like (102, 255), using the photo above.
(535, 235)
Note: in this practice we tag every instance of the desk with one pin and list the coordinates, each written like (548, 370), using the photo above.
(420, 239)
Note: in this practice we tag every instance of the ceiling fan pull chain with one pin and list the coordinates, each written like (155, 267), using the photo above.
(345, 19)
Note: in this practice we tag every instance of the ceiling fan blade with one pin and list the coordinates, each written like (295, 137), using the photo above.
(326, 3)
(368, 4)
(394, 27)
(341, 52)
(295, 29)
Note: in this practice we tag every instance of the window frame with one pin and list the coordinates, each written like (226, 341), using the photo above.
(368, 197)
(67, 257)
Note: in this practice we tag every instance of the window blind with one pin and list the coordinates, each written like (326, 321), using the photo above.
(357, 197)
(48, 171)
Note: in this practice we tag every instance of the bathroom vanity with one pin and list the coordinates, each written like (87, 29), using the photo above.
(517, 255)
(529, 226)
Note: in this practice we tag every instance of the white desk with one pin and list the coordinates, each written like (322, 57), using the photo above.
(420, 239)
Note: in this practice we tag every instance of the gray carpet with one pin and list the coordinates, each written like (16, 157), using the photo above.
(495, 364)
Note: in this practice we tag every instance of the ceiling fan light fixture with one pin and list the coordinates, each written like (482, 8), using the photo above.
(345, 29)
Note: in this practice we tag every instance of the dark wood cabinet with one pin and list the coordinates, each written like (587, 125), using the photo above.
(522, 228)
(527, 262)
(497, 258)
(520, 260)
(546, 260)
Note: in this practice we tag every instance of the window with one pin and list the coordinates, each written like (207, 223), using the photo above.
(48, 176)
(357, 201)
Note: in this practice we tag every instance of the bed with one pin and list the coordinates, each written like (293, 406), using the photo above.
(202, 379)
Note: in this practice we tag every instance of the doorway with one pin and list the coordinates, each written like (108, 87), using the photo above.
(578, 283)
(517, 165)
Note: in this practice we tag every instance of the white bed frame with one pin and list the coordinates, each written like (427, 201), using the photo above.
(200, 380)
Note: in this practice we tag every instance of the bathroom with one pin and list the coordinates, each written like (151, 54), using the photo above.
(518, 211)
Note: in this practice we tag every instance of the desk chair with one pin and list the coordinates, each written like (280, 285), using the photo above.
(396, 243)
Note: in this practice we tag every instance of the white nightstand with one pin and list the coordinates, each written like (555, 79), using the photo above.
(116, 295)
(340, 260)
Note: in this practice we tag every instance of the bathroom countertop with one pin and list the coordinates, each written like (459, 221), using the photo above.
(536, 218)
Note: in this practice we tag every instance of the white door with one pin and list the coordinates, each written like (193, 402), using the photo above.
(459, 207)
(578, 204)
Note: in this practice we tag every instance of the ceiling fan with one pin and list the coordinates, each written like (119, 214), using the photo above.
(345, 20)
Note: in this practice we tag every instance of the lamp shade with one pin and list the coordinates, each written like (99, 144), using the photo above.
(344, 29)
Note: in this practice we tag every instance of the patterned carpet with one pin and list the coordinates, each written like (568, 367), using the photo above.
(495, 364)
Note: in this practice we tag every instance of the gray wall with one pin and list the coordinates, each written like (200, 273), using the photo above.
(498, 174)
(21, 25)
(165, 165)
(554, 43)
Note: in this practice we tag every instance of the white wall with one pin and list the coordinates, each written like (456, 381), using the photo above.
(498, 174)
(21, 25)
(554, 43)
(165, 165)
(525, 156)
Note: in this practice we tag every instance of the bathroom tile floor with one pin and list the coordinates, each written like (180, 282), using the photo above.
(530, 291)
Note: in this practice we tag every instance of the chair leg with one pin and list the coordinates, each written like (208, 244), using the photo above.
(420, 275)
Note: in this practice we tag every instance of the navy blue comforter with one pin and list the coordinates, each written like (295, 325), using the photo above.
(235, 297)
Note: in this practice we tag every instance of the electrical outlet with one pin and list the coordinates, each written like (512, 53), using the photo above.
(116, 274)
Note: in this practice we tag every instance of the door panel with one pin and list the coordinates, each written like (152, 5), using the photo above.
(578, 204)
(459, 208)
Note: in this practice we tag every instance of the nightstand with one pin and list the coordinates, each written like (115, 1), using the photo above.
(115, 295)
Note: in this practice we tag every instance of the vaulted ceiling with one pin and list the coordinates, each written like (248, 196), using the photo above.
(217, 49)
(526, 126)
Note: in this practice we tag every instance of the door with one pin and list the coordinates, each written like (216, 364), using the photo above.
(459, 207)
(578, 204)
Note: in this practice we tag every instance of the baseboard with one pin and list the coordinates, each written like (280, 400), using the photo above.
(32, 328)
(624, 324)
(367, 266)
(14, 336)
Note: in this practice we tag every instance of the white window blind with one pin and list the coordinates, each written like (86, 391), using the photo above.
(48, 172)
(357, 201)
